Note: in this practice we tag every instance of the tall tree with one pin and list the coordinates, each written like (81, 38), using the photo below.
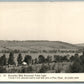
(3, 60)
(49, 59)
(36, 61)
(19, 59)
(28, 59)
(41, 59)
(11, 59)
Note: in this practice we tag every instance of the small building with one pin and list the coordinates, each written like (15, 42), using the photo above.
(24, 63)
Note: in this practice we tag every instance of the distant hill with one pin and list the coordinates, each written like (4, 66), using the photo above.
(36, 45)
(81, 44)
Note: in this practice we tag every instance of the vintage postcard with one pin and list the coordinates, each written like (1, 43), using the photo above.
(42, 41)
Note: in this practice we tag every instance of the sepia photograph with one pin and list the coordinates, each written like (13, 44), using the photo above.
(41, 37)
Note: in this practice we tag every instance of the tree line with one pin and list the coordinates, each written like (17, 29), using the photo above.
(41, 51)
(29, 60)
(76, 66)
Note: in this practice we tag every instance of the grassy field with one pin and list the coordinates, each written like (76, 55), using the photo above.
(36, 45)
(63, 67)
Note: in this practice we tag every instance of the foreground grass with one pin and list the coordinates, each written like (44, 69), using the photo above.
(60, 67)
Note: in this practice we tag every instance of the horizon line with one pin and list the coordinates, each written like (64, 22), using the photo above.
(45, 41)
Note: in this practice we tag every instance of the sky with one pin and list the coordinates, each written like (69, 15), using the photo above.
(54, 21)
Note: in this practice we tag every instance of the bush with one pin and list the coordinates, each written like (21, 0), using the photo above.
(76, 67)
(43, 69)
(27, 69)
(3, 70)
